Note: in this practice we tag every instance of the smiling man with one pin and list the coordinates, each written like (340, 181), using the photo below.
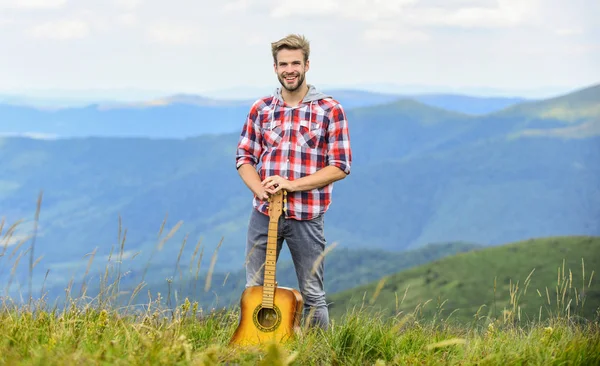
(295, 140)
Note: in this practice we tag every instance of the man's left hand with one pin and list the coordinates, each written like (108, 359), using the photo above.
(276, 183)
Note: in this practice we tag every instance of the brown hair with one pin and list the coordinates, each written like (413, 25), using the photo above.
(291, 42)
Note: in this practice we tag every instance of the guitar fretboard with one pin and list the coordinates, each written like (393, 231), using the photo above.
(270, 267)
(271, 256)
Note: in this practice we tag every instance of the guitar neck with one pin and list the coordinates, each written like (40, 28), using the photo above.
(270, 265)
(271, 256)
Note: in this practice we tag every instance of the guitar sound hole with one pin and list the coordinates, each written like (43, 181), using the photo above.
(266, 317)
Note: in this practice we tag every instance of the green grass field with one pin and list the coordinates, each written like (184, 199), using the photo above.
(189, 336)
(92, 331)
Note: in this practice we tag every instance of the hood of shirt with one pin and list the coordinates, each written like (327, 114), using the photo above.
(313, 95)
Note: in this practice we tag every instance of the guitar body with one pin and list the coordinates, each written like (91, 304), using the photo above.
(259, 325)
(269, 312)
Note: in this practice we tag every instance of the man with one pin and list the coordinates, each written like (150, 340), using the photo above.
(296, 140)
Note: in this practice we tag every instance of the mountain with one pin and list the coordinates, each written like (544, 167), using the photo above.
(159, 120)
(481, 281)
(188, 115)
(579, 106)
(421, 175)
(477, 105)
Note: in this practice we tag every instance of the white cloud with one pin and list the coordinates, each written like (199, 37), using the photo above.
(6, 21)
(410, 19)
(392, 35)
(173, 34)
(62, 29)
(346, 9)
(32, 4)
(451, 42)
(127, 4)
(507, 13)
(236, 6)
(504, 13)
(128, 19)
(569, 31)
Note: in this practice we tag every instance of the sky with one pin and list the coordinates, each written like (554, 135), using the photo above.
(222, 48)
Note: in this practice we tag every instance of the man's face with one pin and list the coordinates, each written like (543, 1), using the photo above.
(290, 68)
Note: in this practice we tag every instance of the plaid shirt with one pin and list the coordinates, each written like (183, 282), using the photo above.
(293, 142)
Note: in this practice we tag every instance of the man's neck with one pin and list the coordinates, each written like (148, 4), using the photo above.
(293, 98)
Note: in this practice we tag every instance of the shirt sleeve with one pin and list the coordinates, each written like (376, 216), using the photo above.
(339, 152)
(249, 142)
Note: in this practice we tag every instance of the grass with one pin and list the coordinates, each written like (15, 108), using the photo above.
(187, 335)
(99, 330)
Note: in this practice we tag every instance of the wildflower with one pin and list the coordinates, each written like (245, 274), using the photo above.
(103, 318)
(186, 306)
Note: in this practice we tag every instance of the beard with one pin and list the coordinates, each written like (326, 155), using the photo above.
(292, 87)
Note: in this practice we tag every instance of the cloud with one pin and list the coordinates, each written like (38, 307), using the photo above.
(61, 29)
(173, 34)
(392, 35)
(506, 13)
(451, 42)
(6, 21)
(454, 13)
(32, 4)
(236, 6)
(345, 9)
(409, 21)
(127, 19)
(127, 4)
(569, 31)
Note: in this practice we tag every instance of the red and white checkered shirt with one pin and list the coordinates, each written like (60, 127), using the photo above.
(294, 142)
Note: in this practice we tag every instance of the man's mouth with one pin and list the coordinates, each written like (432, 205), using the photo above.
(290, 78)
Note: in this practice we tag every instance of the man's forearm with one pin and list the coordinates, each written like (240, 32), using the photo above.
(322, 177)
(251, 178)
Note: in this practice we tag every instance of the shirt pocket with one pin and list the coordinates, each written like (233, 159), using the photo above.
(309, 133)
(272, 132)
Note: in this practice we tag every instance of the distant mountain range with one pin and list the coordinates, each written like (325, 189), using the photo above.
(61, 98)
(185, 115)
(421, 175)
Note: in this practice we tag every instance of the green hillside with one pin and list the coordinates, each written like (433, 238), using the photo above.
(580, 105)
(482, 281)
(402, 129)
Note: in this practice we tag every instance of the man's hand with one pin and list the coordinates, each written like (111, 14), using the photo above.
(276, 183)
(319, 179)
(252, 180)
(262, 194)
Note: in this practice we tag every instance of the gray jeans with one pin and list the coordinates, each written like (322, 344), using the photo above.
(306, 241)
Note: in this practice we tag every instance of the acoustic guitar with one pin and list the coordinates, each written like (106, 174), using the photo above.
(269, 312)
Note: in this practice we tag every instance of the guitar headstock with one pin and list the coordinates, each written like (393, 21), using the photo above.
(276, 204)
